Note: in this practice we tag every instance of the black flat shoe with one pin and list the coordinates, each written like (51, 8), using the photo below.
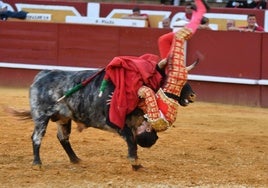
(206, 5)
(193, 6)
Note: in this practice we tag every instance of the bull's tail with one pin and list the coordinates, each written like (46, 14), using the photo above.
(20, 114)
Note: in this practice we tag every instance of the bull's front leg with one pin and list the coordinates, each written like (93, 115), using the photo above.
(128, 135)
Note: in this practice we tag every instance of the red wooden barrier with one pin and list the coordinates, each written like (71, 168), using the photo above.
(227, 54)
(264, 54)
(16, 77)
(228, 93)
(264, 70)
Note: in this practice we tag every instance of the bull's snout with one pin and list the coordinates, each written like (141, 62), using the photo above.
(192, 97)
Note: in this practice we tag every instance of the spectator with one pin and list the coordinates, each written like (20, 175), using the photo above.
(257, 4)
(204, 23)
(136, 15)
(188, 12)
(5, 13)
(2, 5)
(230, 24)
(237, 4)
(176, 2)
(179, 24)
(170, 2)
(165, 2)
(251, 27)
(166, 23)
(183, 18)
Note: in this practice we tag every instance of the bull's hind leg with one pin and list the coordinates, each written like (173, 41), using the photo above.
(64, 131)
(38, 134)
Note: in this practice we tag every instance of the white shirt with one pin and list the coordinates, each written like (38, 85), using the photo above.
(2, 4)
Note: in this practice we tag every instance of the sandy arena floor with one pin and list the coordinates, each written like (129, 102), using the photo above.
(211, 145)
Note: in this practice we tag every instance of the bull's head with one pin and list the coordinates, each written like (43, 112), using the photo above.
(148, 138)
(187, 95)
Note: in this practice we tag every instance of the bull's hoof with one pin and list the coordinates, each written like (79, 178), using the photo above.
(136, 167)
(37, 167)
(76, 161)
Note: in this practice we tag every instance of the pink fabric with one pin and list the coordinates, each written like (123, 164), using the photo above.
(197, 16)
(164, 44)
(165, 41)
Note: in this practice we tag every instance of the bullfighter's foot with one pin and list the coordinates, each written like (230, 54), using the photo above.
(201, 9)
(193, 6)
(204, 3)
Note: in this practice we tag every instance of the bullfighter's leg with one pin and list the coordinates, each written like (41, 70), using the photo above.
(37, 136)
(165, 41)
(164, 44)
(63, 135)
(176, 73)
(201, 9)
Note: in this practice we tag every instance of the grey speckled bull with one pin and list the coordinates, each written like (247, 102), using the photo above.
(83, 107)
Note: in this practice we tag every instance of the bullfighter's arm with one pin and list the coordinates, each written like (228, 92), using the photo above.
(152, 112)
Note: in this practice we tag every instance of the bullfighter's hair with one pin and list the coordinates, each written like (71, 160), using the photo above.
(147, 139)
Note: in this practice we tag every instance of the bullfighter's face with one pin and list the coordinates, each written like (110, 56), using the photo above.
(144, 127)
(145, 135)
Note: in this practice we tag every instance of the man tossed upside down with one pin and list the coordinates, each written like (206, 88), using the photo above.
(137, 78)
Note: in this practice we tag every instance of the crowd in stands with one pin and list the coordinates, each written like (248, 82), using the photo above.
(136, 15)
(170, 2)
(230, 24)
(255, 4)
(252, 26)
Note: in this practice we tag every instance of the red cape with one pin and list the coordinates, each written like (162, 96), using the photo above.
(128, 74)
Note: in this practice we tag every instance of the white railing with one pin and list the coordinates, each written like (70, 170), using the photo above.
(193, 77)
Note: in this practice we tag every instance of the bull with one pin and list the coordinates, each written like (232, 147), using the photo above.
(83, 107)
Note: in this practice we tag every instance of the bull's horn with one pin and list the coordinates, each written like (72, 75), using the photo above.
(190, 67)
